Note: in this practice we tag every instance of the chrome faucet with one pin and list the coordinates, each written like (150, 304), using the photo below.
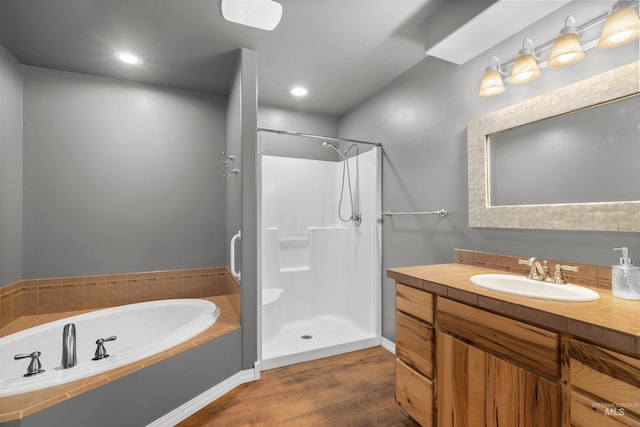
(69, 346)
(540, 270)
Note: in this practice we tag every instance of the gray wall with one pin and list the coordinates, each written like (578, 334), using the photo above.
(273, 144)
(421, 119)
(120, 177)
(11, 86)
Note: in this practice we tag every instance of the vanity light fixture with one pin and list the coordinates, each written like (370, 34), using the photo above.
(567, 48)
(299, 91)
(525, 69)
(621, 27)
(492, 83)
(128, 58)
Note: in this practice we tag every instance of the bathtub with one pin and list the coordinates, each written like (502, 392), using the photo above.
(142, 330)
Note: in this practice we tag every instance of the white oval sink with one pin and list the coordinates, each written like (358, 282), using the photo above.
(521, 286)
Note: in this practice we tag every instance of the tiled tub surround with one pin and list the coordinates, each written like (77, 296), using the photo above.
(56, 295)
(22, 405)
(31, 303)
(610, 322)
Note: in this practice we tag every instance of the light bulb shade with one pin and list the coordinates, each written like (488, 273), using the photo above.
(525, 69)
(621, 27)
(566, 50)
(491, 84)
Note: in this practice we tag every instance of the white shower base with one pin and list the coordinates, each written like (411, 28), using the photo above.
(329, 335)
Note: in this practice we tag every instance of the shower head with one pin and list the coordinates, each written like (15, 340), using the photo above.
(330, 145)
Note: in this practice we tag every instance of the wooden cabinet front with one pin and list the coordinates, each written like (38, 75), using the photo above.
(605, 387)
(414, 352)
(414, 302)
(478, 389)
(533, 348)
(461, 383)
(414, 344)
(414, 393)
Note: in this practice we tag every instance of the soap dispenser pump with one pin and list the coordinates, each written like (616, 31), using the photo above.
(625, 277)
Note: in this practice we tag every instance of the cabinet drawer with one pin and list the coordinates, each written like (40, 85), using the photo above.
(414, 344)
(610, 377)
(415, 302)
(414, 394)
(525, 345)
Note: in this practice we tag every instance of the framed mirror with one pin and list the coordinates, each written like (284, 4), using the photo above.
(565, 160)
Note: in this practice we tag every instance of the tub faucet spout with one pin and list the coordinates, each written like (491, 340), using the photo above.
(69, 346)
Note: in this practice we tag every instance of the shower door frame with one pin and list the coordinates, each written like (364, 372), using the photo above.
(378, 229)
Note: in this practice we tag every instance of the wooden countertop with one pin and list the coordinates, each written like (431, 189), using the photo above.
(611, 322)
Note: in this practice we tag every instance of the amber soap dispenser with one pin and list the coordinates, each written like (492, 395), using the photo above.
(625, 277)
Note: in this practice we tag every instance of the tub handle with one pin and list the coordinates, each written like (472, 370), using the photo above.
(101, 352)
(232, 256)
(35, 367)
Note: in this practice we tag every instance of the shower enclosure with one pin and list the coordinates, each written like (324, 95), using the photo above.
(320, 240)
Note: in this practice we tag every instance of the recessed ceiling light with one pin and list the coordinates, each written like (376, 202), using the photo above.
(299, 91)
(128, 58)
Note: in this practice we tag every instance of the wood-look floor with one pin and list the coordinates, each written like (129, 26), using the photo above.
(353, 389)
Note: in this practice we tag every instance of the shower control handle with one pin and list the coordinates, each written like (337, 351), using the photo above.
(101, 352)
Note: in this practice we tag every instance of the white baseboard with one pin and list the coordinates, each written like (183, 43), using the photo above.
(390, 346)
(194, 405)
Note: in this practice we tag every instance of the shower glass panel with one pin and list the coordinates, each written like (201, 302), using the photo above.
(320, 274)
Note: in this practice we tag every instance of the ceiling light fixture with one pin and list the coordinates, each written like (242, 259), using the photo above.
(128, 58)
(492, 83)
(619, 26)
(567, 49)
(622, 27)
(261, 14)
(299, 91)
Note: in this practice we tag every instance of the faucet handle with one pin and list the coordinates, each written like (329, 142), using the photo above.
(558, 277)
(35, 367)
(101, 352)
(531, 263)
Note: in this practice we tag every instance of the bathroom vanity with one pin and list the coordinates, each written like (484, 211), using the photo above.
(468, 356)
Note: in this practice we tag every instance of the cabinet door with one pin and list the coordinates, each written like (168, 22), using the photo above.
(516, 397)
(475, 388)
(460, 373)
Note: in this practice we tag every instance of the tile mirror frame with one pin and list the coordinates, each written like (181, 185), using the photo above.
(610, 216)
